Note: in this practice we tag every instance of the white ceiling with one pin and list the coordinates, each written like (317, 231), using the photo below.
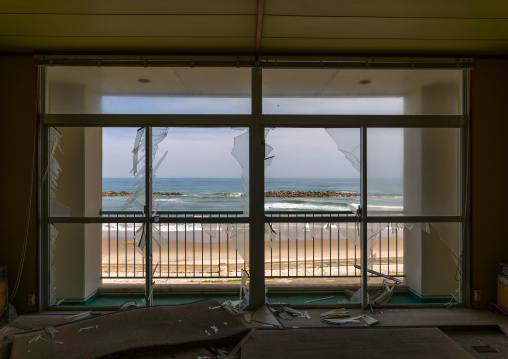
(288, 27)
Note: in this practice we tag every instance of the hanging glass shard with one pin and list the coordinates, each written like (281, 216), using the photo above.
(140, 238)
(239, 236)
(348, 142)
(290, 230)
(53, 234)
(137, 197)
(212, 229)
(57, 208)
(239, 232)
(241, 153)
(138, 146)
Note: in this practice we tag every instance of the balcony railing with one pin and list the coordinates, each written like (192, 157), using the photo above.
(193, 249)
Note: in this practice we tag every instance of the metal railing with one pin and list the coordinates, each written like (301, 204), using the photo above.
(205, 245)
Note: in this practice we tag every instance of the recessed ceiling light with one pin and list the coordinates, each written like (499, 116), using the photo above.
(144, 81)
(365, 82)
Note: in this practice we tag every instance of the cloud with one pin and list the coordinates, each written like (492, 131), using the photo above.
(306, 153)
(299, 152)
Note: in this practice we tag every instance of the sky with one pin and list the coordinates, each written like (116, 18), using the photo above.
(299, 153)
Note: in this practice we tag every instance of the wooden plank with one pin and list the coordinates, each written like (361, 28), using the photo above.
(382, 47)
(128, 25)
(383, 28)
(129, 7)
(390, 8)
(112, 44)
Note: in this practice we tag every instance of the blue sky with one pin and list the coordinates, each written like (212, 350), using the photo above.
(206, 152)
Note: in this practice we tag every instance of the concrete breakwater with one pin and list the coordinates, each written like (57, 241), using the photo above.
(285, 193)
(124, 193)
(282, 193)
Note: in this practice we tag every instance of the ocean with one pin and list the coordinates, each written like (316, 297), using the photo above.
(224, 194)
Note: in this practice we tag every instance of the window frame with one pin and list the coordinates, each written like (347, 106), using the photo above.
(256, 122)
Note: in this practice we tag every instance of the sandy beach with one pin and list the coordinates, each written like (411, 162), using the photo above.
(199, 255)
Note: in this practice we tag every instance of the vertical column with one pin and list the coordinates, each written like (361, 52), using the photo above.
(256, 197)
(78, 246)
(465, 248)
(431, 187)
(363, 218)
(148, 216)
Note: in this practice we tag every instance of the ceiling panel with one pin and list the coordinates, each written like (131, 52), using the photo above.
(382, 28)
(129, 7)
(329, 82)
(384, 47)
(194, 45)
(162, 80)
(128, 25)
(390, 8)
(291, 27)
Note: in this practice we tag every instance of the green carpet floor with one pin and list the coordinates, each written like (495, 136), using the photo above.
(281, 297)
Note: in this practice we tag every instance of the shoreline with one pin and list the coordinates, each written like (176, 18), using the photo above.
(278, 194)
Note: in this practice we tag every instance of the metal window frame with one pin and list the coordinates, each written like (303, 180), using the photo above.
(257, 122)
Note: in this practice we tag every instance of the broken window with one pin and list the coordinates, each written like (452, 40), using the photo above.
(200, 214)
(311, 180)
(57, 208)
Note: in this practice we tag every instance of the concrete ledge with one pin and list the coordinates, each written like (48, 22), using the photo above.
(230, 287)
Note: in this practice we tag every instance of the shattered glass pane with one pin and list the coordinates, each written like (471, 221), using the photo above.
(348, 142)
(212, 229)
(57, 208)
(239, 235)
(290, 230)
(53, 234)
(241, 153)
(137, 197)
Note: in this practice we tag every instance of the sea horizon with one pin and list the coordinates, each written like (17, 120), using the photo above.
(225, 193)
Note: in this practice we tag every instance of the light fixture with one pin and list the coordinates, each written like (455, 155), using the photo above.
(364, 82)
(144, 81)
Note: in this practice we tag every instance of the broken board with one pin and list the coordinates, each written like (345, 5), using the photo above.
(143, 330)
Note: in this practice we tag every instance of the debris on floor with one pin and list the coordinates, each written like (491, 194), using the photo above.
(34, 339)
(320, 299)
(51, 331)
(369, 320)
(386, 295)
(132, 304)
(341, 321)
(79, 316)
(85, 328)
(234, 307)
(265, 316)
(336, 313)
(288, 313)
